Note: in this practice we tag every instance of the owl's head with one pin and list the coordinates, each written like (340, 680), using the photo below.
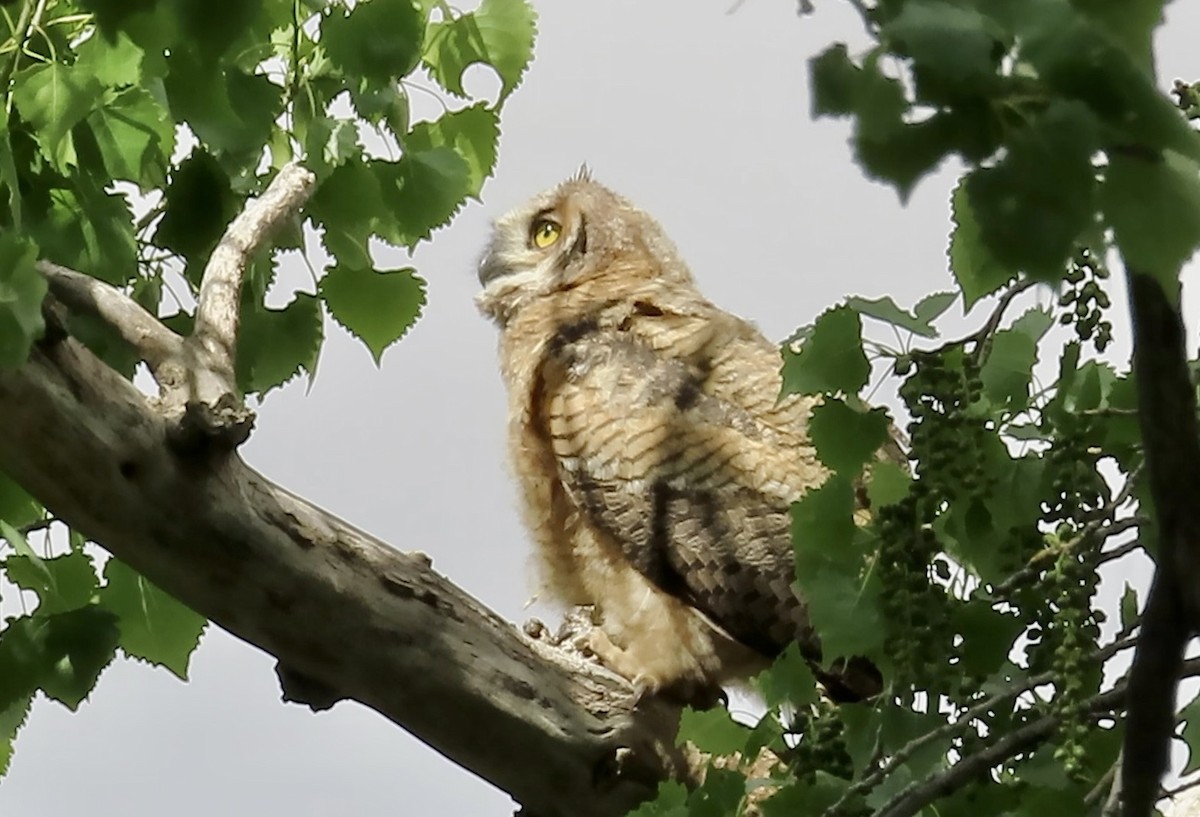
(573, 232)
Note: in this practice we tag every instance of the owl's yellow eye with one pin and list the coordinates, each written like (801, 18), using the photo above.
(545, 232)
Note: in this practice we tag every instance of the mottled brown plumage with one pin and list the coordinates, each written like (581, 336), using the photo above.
(655, 458)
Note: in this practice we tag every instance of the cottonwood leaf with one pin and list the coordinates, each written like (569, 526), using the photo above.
(52, 99)
(499, 33)
(831, 359)
(978, 272)
(276, 344)
(1154, 210)
(378, 40)
(885, 309)
(844, 437)
(376, 306)
(12, 718)
(789, 680)
(61, 654)
(153, 625)
(17, 507)
(22, 290)
(471, 132)
(62, 583)
(712, 731)
(1032, 205)
(135, 136)
(421, 192)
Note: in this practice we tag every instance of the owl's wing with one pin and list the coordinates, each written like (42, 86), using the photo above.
(670, 437)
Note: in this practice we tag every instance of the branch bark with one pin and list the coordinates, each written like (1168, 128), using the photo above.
(347, 616)
(1171, 440)
(213, 344)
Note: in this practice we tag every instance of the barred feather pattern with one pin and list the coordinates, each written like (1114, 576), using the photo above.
(656, 460)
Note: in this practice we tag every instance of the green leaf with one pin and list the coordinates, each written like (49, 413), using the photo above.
(1191, 735)
(885, 309)
(421, 192)
(499, 33)
(1129, 607)
(1077, 59)
(347, 205)
(887, 483)
(803, 798)
(376, 306)
(787, 681)
(834, 81)
(987, 637)
(199, 206)
(52, 99)
(1008, 369)
(720, 795)
(712, 731)
(1034, 203)
(17, 508)
(62, 583)
(231, 112)
(846, 438)
(8, 173)
(933, 306)
(135, 136)
(976, 269)
(153, 625)
(78, 646)
(379, 40)
(12, 718)
(669, 801)
(276, 344)
(954, 48)
(843, 605)
(115, 62)
(831, 359)
(62, 654)
(1154, 210)
(471, 132)
(22, 290)
(1130, 23)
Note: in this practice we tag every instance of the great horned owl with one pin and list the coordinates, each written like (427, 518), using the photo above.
(655, 458)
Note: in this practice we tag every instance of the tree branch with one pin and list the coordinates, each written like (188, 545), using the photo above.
(154, 343)
(1171, 441)
(917, 795)
(214, 339)
(347, 616)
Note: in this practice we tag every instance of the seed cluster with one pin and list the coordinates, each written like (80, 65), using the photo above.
(1084, 300)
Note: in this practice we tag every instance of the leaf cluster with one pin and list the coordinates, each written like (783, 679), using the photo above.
(131, 133)
(968, 574)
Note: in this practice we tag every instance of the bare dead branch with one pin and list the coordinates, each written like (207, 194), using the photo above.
(346, 616)
(154, 343)
(214, 340)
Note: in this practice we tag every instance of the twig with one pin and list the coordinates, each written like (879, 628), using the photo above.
(961, 724)
(916, 796)
(982, 338)
(1103, 786)
(1112, 805)
(214, 340)
(154, 343)
(1099, 526)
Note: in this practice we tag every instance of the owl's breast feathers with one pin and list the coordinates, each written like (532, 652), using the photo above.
(654, 418)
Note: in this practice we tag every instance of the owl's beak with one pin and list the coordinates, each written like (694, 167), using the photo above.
(490, 268)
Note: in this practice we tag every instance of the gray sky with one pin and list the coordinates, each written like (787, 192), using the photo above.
(699, 116)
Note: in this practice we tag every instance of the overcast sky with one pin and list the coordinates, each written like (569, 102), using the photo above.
(701, 118)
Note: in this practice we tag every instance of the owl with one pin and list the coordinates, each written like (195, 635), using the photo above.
(655, 459)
